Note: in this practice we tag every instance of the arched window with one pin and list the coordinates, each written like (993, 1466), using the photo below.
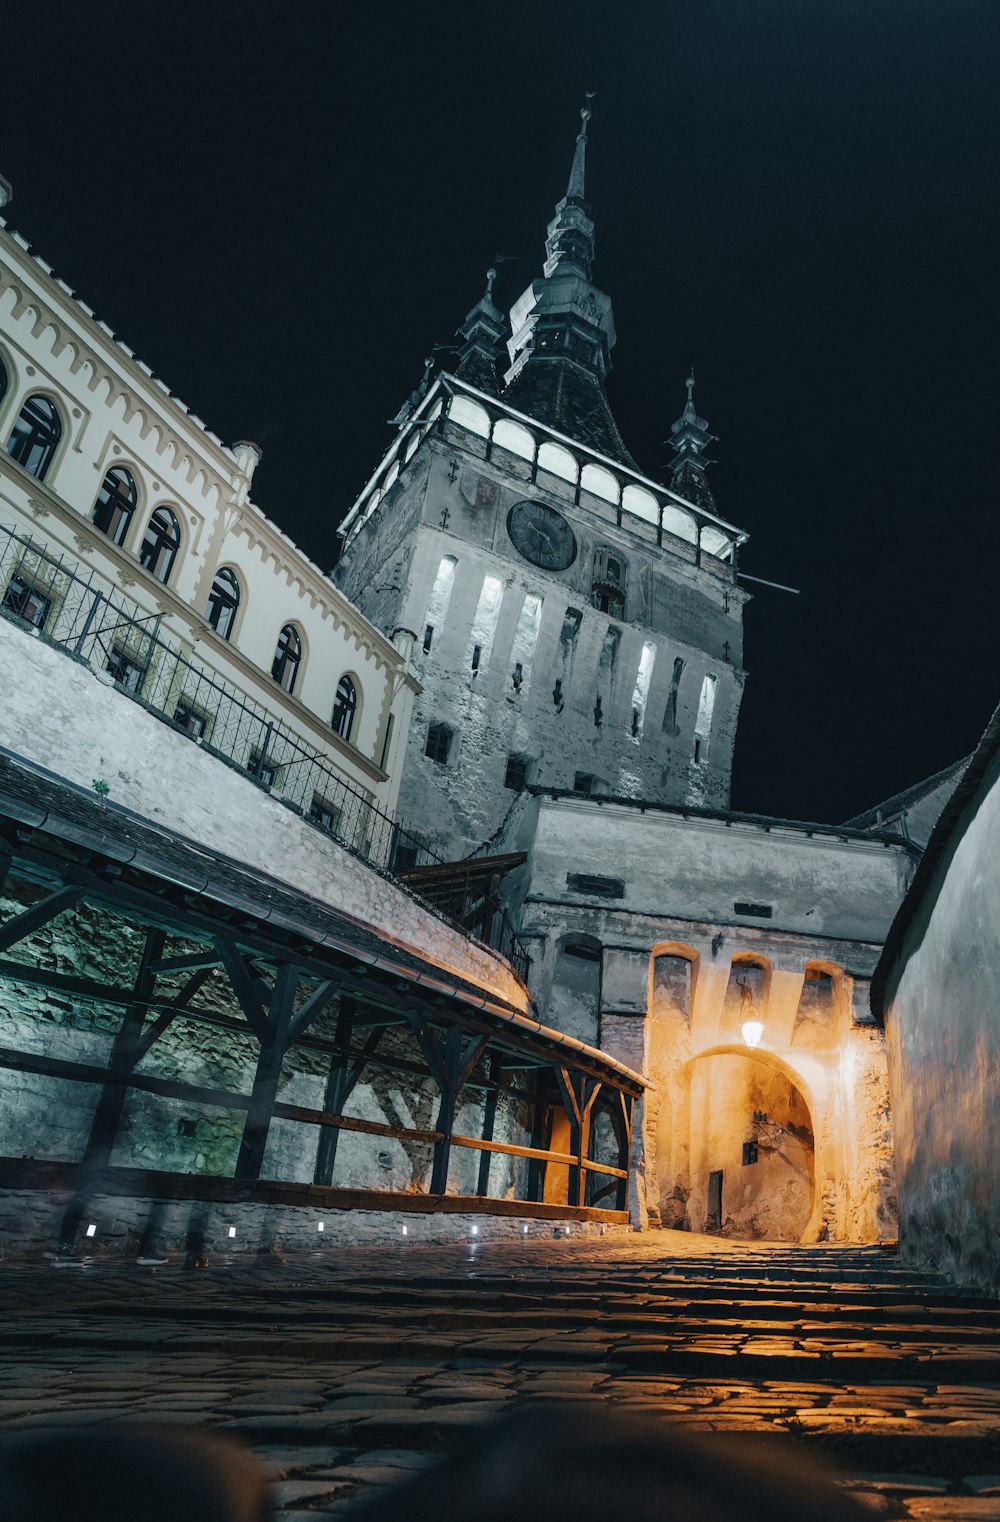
(223, 600)
(287, 655)
(4, 383)
(344, 708)
(115, 504)
(160, 546)
(35, 435)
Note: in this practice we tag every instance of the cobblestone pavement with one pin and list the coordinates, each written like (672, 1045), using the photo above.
(348, 1370)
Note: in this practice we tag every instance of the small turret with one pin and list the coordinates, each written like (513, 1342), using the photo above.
(689, 438)
(483, 330)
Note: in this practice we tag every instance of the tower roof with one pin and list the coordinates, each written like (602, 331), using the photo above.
(483, 331)
(689, 438)
(562, 327)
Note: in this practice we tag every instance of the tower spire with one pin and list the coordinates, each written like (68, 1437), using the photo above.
(570, 240)
(689, 438)
(574, 190)
(562, 327)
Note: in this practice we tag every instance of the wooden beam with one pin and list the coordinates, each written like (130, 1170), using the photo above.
(30, 920)
(246, 987)
(311, 1007)
(152, 1033)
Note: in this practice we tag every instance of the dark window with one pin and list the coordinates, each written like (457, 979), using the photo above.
(264, 771)
(751, 1153)
(754, 911)
(35, 435)
(3, 380)
(344, 708)
(287, 655)
(406, 851)
(223, 601)
(697, 750)
(428, 638)
(190, 719)
(387, 741)
(160, 546)
(324, 814)
(517, 676)
(583, 782)
(27, 602)
(608, 592)
(115, 504)
(126, 670)
(516, 776)
(438, 743)
(477, 655)
(595, 887)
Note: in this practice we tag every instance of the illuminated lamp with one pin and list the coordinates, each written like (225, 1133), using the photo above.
(752, 1031)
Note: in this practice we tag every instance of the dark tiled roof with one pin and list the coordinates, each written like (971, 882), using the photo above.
(906, 799)
(570, 399)
(936, 848)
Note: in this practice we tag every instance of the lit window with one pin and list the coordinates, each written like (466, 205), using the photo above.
(126, 670)
(438, 743)
(344, 708)
(35, 435)
(115, 504)
(160, 546)
(27, 602)
(287, 655)
(223, 601)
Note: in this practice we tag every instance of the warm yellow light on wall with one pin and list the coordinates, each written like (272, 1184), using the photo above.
(752, 1032)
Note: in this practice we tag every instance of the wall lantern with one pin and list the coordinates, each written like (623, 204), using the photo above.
(752, 1031)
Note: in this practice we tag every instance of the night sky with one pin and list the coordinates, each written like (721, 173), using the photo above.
(282, 208)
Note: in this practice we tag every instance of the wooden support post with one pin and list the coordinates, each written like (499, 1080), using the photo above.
(273, 1045)
(624, 1149)
(590, 1088)
(460, 1057)
(571, 1089)
(124, 1055)
(489, 1121)
(334, 1097)
(536, 1167)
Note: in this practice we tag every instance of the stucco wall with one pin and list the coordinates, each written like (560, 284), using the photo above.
(943, 1036)
(672, 959)
(64, 716)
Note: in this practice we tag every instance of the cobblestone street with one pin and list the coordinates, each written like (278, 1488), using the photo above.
(345, 1372)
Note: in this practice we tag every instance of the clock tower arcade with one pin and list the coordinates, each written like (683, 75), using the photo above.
(575, 624)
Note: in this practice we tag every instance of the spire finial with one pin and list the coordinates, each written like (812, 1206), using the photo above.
(491, 275)
(574, 190)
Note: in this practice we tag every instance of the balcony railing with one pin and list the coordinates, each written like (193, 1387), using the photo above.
(85, 613)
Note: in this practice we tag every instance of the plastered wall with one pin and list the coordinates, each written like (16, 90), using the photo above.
(943, 1035)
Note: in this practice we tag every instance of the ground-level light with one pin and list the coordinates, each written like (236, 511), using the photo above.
(752, 1031)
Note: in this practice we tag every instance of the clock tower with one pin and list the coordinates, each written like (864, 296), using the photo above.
(576, 623)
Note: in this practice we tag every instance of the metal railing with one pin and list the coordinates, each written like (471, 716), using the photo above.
(88, 615)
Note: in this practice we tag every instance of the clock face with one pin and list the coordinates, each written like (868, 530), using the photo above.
(541, 535)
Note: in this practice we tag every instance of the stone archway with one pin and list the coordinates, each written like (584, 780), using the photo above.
(767, 1165)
